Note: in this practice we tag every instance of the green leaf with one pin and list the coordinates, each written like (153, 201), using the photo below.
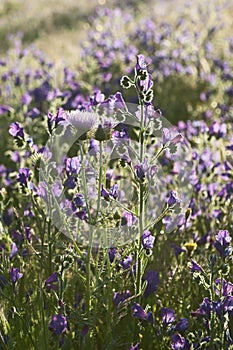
(172, 148)
(125, 82)
(148, 97)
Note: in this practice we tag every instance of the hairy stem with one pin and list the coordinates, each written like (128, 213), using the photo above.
(141, 207)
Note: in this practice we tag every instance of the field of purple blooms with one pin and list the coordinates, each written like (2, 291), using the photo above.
(116, 185)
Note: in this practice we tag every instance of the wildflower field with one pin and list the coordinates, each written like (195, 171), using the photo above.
(116, 175)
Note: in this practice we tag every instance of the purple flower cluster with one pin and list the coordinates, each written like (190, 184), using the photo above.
(58, 324)
(222, 243)
(141, 314)
(112, 48)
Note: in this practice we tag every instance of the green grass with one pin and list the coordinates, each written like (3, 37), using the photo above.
(53, 26)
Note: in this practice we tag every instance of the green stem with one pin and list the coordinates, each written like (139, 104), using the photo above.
(122, 206)
(142, 134)
(158, 218)
(221, 283)
(84, 181)
(89, 250)
(158, 154)
(88, 272)
(221, 323)
(109, 287)
(212, 317)
(50, 247)
(43, 317)
(40, 282)
(141, 209)
(100, 179)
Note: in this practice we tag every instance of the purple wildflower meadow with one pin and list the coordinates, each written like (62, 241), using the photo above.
(116, 226)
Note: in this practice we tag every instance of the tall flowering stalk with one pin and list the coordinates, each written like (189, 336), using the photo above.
(143, 84)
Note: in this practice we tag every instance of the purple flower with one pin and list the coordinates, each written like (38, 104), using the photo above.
(8, 216)
(126, 262)
(79, 200)
(119, 137)
(57, 188)
(140, 313)
(5, 109)
(139, 171)
(97, 98)
(16, 130)
(42, 190)
(147, 240)
(14, 250)
(152, 278)
(58, 324)
(26, 99)
(82, 214)
(23, 175)
(104, 193)
(33, 113)
(52, 281)
(115, 102)
(195, 267)
(128, 219)
(15, 157)
(28, 233)
(17, 237)
(222, 243)
(182, 325)
(118, 298)
(168, 316)
(146, 84)
(217, 129)
(173, 198)
(93, 147)
(223, 306)
(134, 347)
(145, 80)
(54, 120)
(73, 165)
(179, 342)
(114, 191)
(218, 308)
(109, 176)
(227, 287)
(112, 254)
(70, 182)
(228, 305)
(40, 93)
(204, 309)
(15, 275)
(226, 190)
(230, 148)
(177, 250)
(141, 62)
(176, 139)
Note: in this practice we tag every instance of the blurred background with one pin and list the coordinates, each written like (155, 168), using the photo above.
(55, 26)
(189, 43)
(59, 28)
